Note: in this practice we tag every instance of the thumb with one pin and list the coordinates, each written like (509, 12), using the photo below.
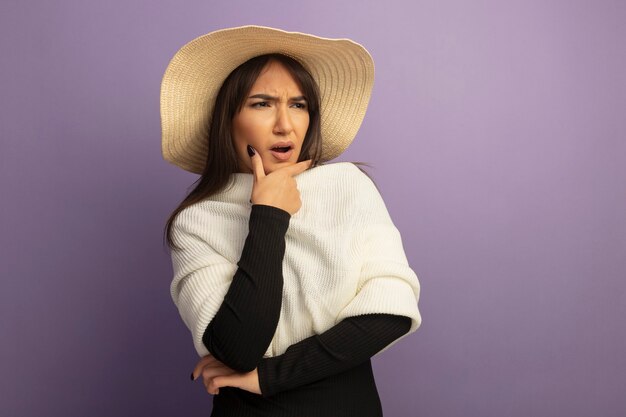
(257, 163)
(301, 166)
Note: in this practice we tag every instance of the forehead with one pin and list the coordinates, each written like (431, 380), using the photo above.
(276, 77)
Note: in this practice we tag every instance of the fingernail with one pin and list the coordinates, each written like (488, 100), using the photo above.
(251, 151)
(192, 376)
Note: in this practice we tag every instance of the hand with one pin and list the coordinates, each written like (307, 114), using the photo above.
(278, 188)
(215, 375)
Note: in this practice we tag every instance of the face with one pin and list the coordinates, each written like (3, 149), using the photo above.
(274, 114)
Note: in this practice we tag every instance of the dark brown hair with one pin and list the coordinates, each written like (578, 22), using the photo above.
(221, 160)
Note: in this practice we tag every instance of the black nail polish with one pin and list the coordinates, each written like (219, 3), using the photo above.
(251, 151)
(192, 376)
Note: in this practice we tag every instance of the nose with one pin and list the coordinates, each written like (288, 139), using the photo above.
(283, 125)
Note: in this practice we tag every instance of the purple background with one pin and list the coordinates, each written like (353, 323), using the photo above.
(497, 133)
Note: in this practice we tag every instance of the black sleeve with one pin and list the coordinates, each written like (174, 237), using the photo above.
(343, 346)
(246, 321)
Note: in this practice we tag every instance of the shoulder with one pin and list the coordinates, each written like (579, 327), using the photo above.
(342, 180)
(338, 170)
(359, 181)
(200, 220)
(185, 226)
(357, 189)
(369, 200)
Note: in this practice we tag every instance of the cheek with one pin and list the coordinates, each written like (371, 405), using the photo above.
(237, 130)
(241, 138)
(248, 129)
(301, 121)
(303, 125)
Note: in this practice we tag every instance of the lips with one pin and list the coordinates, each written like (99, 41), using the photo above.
(283, 146)
(282, 156)
(282, 150)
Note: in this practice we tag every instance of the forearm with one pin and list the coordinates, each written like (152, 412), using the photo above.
(245, 323)
(343, 346)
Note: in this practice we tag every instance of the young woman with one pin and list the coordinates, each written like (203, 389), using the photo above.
(288, 270)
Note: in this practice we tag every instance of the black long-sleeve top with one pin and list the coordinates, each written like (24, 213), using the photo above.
(328, 374)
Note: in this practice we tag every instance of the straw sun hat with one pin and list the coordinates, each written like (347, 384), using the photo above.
(343, 70)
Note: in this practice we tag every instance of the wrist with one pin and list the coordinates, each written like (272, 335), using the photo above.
(262, 375)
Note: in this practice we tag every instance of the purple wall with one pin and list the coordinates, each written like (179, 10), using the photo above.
(497, 132)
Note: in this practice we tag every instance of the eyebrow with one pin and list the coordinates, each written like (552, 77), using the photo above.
(273, 98)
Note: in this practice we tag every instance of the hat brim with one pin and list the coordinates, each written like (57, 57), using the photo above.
(343, 70)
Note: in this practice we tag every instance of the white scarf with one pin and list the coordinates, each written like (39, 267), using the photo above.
(343, 256)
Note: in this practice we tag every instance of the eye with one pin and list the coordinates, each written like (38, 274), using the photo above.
(260, 104)
(299, 105)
